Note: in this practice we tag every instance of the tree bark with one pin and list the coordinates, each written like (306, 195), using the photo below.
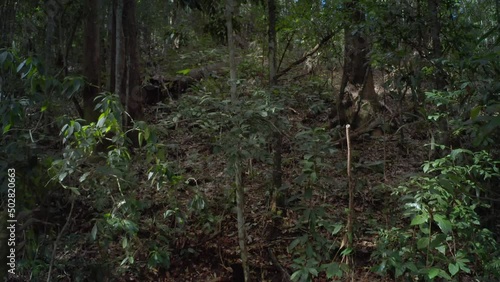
(133, 92)
(240, 191)
(119, 69)
(271, 6)
(230, 45)
(91, 61)
(357, 71)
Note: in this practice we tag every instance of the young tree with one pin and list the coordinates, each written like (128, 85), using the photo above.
(240, 191)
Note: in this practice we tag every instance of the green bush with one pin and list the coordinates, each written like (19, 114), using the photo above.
(442, 236)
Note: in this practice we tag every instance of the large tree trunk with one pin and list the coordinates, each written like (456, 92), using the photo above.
(133, 92)
(91, 61)
(357, 72)
(127, 75)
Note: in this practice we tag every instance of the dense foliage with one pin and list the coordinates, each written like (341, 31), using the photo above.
(411, 193)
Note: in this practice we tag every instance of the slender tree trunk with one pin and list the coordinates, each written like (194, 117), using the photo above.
(271, 6)
(91, 64)
(112, 53)
(443, 137)
(277, 196)
(50, 33)
(230, 44)
(240, 191)
(119, 50)
(437, 49)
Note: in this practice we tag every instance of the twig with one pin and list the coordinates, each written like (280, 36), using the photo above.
(58, 239)
(284, 273)
(350, 216)
(301, 60)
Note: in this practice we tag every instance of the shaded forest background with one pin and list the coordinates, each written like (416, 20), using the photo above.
(251, 140)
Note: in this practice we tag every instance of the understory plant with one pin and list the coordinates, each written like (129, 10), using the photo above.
(441, 234)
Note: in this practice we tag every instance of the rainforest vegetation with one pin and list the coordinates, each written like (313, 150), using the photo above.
(250, 140)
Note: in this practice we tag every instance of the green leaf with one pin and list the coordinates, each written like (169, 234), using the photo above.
(313, 271)
(84, 176)
(184, 71)
(433, 272)
(93, 233)
(296, 275)
(6, 128)
(125, 242)
(337, 228)
(443, 223)
(453, 269)
(444, 275)
(333, 269)
(21, 65)
(62, 176)
(475, 111)
(419, 219)
(422, 243)
(293, 244)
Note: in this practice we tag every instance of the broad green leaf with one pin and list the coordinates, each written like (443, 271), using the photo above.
(422, 243)
(333, 269)
(418, 219)
(443, 223)
(433, 272)
(453, 269)
(444, 274)
(313, 271)
(338, 227)
(475, 112)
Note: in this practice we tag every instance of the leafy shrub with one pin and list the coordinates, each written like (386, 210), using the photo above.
(444, 236)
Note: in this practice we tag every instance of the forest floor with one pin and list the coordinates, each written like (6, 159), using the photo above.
(206, 246)
(209, 250)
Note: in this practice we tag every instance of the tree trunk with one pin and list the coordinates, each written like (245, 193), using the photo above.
(91, 61)
(240, 191)
(277, 196)
(230, 45)
(112, 47)
(133, 92)
(357, 71)
(8, 11)
(50, 8)
(271, 6)
(119, 50)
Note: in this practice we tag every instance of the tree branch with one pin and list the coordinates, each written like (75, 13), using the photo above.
(312, 52)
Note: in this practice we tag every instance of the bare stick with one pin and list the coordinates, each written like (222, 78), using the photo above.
(350, 215)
